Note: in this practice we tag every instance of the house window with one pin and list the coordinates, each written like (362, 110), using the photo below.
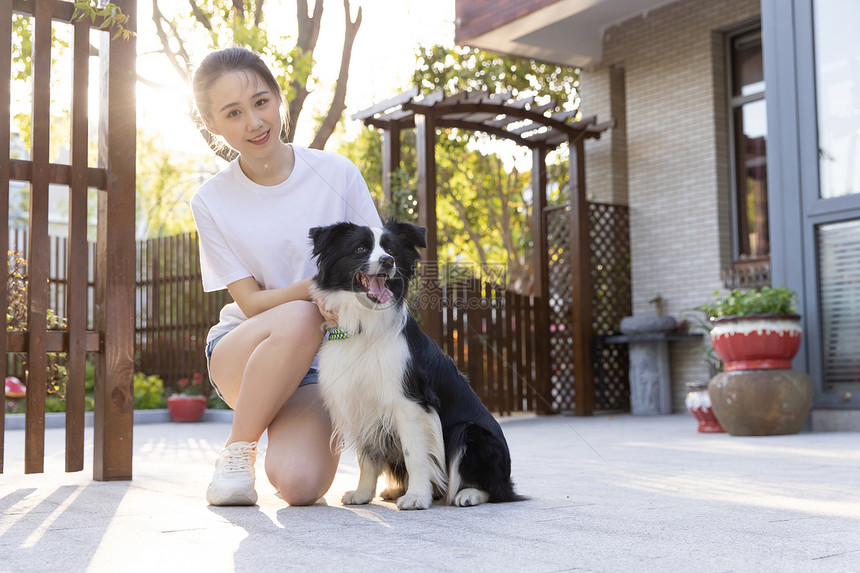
(837, 84)
(749, 146)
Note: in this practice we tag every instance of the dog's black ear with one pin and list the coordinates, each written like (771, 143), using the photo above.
(410, 235)
(321, 237)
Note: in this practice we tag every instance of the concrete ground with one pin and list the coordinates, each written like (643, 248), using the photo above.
(617, 493)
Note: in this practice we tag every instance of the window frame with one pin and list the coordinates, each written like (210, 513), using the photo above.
(733, 104)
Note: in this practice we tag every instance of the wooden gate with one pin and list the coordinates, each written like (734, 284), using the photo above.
(112, 338)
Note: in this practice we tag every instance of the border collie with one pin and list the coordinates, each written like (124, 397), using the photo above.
(390, 390)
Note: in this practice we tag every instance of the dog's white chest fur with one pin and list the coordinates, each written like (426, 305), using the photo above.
(361, 381)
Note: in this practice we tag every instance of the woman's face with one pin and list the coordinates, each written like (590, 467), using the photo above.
(244, 111)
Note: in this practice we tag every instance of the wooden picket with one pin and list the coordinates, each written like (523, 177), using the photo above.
(174, 314)
(489, 332)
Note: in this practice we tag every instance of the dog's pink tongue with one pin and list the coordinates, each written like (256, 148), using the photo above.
(377, 289)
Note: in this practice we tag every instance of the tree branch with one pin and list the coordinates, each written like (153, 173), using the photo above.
(178, 59)
(200, 16)
(309, 31)
(258, 13)
(338, 102)
(239, 7)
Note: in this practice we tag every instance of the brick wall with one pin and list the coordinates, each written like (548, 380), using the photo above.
(606, 158)
(674, 154)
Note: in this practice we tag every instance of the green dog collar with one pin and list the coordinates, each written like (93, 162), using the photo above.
(336, 334)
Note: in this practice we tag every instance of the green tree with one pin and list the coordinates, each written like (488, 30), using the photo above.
(212, 24)
(165, 183)
(456, 69)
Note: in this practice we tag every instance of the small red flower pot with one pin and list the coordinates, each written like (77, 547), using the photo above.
(698, 402)
(756, 341)
(186, 408)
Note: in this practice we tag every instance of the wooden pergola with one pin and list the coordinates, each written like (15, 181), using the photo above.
(526, 123)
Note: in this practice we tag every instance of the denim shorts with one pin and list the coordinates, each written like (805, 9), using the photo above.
(312, 377)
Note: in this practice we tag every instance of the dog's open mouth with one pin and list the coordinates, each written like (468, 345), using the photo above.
(375, 287)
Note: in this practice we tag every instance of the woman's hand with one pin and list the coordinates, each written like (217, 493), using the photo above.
(329, 316)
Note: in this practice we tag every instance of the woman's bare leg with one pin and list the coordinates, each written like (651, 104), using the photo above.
(259, 365)
(299, 460)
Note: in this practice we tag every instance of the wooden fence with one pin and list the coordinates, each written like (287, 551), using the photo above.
(58, 286)
(109, 337)
(173, 312)
(490, 333)
(487, 330)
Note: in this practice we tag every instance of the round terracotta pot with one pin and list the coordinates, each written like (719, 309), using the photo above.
(186, 408)
(756, 341)
(761, 402)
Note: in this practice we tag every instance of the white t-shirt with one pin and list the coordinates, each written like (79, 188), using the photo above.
(251, 230)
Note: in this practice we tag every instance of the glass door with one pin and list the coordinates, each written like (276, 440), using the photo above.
(830, 189)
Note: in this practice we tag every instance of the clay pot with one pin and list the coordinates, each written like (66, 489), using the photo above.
(186, 408)
(698, 402)
(761, 402)
(756, 341)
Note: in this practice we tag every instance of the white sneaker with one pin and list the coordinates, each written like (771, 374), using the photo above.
(233, 482)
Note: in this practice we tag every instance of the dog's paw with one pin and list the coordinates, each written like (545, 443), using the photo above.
(356, 497)
(414, 501)
(390, 493)
(470, 496)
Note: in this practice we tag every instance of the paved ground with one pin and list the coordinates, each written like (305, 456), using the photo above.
(616, 493)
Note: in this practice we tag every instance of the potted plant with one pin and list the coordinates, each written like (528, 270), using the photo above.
(188, 404)
(755, 334)
(755, 329)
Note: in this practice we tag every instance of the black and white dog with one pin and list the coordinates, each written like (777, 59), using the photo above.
(390, 389)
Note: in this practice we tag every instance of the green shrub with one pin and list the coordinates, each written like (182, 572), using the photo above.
(767, 300)
(148, 392)
(90, 375)
(54, 403)
(17, 284)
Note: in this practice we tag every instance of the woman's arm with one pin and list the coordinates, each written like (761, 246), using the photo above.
(253, 300)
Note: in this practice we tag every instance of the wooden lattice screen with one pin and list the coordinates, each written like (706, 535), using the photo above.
(560, 311)
(609, 250)
(611, 301)
(112, 336)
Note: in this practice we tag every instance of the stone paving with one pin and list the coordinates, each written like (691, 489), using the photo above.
(608, 493)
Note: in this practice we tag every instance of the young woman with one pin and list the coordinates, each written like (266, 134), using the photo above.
(253, 220)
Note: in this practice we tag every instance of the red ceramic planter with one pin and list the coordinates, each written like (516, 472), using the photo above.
(756, 341)
(698, 402)
(186, 408)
